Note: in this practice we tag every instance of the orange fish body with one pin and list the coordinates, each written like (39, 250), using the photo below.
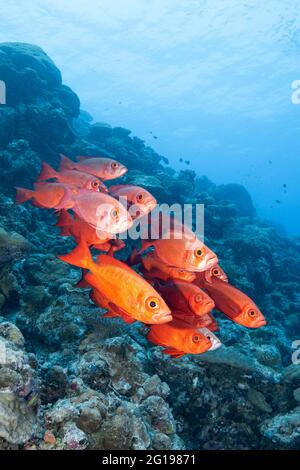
(236, 305)
(139, 201)
(208, 276)
(48, 195)
(182, 295)
(121, 285)
(73, 177)
(178, 339)
(155, 268)
(102, 167)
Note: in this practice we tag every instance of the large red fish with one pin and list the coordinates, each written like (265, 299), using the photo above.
(216, 272)
(185, 296)
(139, 201)
(179, 339)
(73, 177)
(154, 268)
(126, 291)
(48, 195)
(81, 230)
(236, 305)
(176, 245)
(101, 211)
(104, 168)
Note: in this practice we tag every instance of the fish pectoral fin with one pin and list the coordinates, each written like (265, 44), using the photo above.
(175, 353)
(121, 313)
(110, 314)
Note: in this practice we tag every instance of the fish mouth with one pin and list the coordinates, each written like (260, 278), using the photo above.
(215, 345)
(259, 323)
(160, 319)
(122, 170)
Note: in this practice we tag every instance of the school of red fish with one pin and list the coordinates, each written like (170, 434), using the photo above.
(176, 282)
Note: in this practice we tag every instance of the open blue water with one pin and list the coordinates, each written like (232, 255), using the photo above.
(202, 80)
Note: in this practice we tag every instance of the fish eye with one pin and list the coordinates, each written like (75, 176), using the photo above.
(140, 197)
(216, 272)
(95, 184)
(114, 165)
(196, 338)
(198, 253)
(115, 213)
(153, 303)
(252, 313)
(198, 298)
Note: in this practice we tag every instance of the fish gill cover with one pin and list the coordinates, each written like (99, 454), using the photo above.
(70, 378)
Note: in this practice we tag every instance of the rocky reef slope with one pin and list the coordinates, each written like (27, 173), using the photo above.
(71, 380)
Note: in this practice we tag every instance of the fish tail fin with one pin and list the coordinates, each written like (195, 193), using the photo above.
(66, 163)
(23, 195)
(47, 172)
(64, 219)
(80, 256)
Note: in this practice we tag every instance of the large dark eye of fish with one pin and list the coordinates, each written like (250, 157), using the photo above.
(252, 313)
(95, 184)
(198, 298)
(140, 197)
(196, 338)
(115, 213)
(153, 303)
(199, 252)
(216, 272)
(114, 165)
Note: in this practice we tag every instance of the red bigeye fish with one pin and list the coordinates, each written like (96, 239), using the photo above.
(139, 201)
(104, 168)
(216, 272)
(236, 305)
(179, 339)
(101, 211)
(79, 229)
(73, 177)
(125, 290)
(176, 245)
(154, 268)
(203, 321)
(182, 295)
(48, 195)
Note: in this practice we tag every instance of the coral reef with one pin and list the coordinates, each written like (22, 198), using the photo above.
(72, 380)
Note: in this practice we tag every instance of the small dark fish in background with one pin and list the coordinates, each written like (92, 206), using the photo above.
(187, 162)
(155, 137)
(277, 201)
(270, 162)
(181, 160)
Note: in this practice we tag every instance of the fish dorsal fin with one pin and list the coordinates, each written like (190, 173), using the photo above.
(175, 353)
(82, 158)
(116, 187)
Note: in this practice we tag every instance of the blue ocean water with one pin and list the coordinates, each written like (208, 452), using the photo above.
(208, 83)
